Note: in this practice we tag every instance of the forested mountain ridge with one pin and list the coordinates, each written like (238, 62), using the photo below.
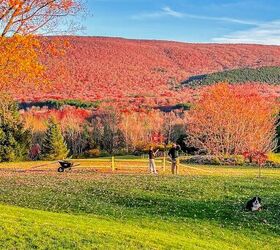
(123, 70)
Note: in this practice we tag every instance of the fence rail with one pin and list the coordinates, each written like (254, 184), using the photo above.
(114, 163)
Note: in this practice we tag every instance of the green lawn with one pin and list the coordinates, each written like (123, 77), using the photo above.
(83, 209)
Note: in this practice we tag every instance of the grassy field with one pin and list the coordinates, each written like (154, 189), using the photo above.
(92, 208)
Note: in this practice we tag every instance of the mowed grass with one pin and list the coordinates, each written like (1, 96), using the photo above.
(202, 208)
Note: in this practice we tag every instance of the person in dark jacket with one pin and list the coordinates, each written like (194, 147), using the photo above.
(174, 154)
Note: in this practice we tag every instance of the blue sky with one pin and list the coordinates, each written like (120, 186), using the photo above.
(222, 21)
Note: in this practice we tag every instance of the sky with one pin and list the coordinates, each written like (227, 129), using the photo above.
(206, 21)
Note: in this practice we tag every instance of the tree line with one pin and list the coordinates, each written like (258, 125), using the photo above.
(227, 120)
(25, 135)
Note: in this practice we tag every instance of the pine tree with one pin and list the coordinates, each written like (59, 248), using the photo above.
(14, 139)
(54, 146)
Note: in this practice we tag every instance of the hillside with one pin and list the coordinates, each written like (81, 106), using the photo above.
(268, 75)
(97, 68)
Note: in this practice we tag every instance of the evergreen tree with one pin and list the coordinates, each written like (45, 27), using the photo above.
(15, 140)
(54, 146)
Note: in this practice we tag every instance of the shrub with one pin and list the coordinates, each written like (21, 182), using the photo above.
(92, 153)
(204, 160)
(233, 160)
(121, 152)
(256, 157)
(272, 164)
(104, 154)
(185, 106)
(216, 160)
(273, 160)
(274, 157)
(58, 104)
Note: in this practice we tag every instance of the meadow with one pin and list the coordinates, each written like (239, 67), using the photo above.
(91, 207)
(67, 96)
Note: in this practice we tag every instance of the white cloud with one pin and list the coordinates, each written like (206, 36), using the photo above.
(265, 33)
(167, 11)
(223, 19)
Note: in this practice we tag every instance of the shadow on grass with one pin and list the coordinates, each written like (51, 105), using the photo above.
(226, 213)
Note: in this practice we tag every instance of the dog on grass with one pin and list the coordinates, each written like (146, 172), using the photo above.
(254, 204)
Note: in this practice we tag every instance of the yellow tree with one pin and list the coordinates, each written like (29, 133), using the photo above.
(19, 61)
(20, 23)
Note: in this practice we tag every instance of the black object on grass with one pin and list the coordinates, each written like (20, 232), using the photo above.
(64, 165)
(254, 204)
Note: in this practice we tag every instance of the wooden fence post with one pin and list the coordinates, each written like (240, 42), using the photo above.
(164, 162)
(178, 165)
(113, 163)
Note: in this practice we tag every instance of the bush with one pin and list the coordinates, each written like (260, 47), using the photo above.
(121, 152)
(104, 154)
(273, 160)
(274, 157)
(92, 153)
(233, 160)
(204, 160)
(184, 106)
(58, 104)
(272, 164)
(215, 160)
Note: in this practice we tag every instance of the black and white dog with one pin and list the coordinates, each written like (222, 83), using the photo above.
(254, 204)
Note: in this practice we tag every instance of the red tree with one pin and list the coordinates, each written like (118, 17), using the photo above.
(228, 121)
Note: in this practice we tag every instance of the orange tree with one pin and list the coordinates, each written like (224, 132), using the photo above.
(230, 120)
(20, 23)
(139, 128)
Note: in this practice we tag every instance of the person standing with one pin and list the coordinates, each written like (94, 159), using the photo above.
(174, 154)
(152, 164)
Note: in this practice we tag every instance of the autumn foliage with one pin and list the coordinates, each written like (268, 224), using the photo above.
(19, 61)
(142, 73)
(231, 120)
(20, 23)
(141, 128)
(26, 17)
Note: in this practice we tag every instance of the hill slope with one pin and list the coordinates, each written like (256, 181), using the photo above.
(97, 68)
